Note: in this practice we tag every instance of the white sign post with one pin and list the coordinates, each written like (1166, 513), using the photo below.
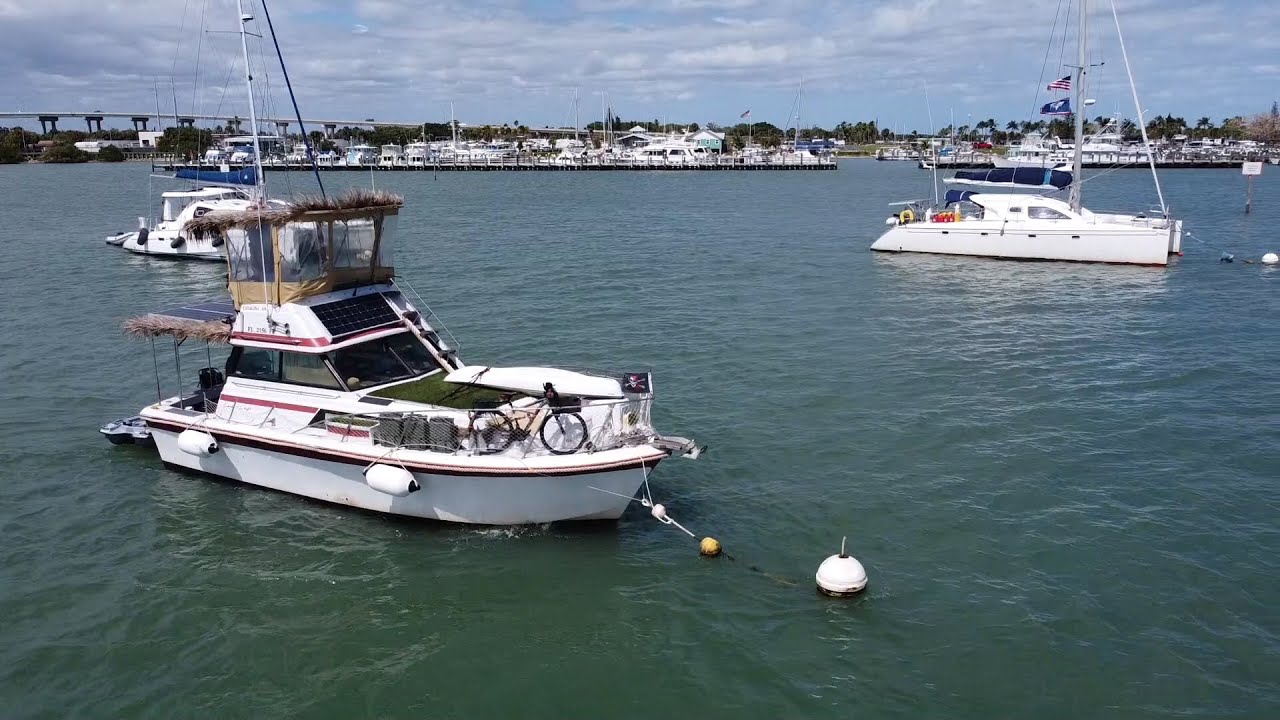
(1250, 170)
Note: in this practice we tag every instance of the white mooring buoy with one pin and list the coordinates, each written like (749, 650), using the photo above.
(1270, 259)
(841, 575)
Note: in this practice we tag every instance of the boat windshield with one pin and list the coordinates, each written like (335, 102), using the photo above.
(970, 210)
(377, 362)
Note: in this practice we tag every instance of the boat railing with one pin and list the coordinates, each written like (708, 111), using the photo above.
(510, 430)
(432, 319)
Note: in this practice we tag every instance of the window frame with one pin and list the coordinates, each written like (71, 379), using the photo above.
(238, 351)
(386, 339)
(327, 359)
(1033, 213)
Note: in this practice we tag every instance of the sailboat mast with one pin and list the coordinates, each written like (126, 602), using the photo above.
(259, 182)
(1077, 158)
(795, 143)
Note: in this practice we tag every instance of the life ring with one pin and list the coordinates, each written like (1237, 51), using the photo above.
(906, 216)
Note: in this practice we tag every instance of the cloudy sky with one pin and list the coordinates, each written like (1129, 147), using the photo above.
(681, 60)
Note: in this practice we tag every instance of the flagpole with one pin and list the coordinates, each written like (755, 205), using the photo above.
(1077, 159)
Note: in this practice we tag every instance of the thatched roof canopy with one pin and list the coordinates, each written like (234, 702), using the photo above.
(152, 325)
(352, 201)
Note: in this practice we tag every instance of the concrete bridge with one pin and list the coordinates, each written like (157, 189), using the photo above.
(93, 122)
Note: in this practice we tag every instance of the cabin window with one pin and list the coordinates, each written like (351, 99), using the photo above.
(376, 362)
(255, 363)
(353, 243)
(306, 369)
(250, 254)
(412, 353)
(302, 252)
(1037, 212)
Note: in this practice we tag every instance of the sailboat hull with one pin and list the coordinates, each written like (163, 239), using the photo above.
(1102, 245)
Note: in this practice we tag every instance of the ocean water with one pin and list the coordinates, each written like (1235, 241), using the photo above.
(1062, 479)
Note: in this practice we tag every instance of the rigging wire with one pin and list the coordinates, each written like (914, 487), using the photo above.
(1048, 48)
(195, 83)
(302, 128)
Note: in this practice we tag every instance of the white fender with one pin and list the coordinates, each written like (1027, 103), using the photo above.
(194, 442)
(391, 479)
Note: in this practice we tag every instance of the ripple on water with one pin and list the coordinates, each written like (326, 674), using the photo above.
(1060, 478)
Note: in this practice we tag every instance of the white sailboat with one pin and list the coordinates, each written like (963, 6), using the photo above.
(1027, 223)
(340, 386)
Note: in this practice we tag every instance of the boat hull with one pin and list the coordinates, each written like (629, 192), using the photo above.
(159, 245)
(1132, 247)
(487, 499)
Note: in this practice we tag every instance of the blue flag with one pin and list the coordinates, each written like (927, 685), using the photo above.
(1057, 107)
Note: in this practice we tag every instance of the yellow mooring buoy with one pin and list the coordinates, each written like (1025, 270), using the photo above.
(710, 547)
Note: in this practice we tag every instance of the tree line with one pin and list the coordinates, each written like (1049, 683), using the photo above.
(191, 143)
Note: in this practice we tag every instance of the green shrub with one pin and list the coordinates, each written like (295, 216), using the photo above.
(64, 153)
(111, 153)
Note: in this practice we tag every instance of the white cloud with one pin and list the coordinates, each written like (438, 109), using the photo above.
(406, 59)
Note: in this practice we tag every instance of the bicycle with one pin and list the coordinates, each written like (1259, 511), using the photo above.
(555, 419)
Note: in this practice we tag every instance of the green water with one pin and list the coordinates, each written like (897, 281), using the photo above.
(1061, 478)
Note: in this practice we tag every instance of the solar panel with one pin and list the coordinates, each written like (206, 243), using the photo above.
(352, 315)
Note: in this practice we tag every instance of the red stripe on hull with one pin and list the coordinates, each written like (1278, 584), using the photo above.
(228, 438)
(267, 403)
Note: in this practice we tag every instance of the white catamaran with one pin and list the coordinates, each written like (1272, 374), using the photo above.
(1024, 221)
(222, 190)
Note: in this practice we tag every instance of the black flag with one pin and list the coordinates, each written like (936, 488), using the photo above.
(637, 383)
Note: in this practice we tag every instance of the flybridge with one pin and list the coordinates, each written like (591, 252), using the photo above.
(279, 255)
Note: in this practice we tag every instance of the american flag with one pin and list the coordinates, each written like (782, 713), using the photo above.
(1061, 84)
(746, 114)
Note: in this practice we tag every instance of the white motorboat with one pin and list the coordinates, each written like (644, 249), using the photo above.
(671, 152)
(361, 156)
(1027, 223)
(1105, 149)
(1035, 150)
(417, 154)
(392, 156)
(339, 387)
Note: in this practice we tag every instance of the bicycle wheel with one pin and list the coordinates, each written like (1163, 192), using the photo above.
(564, 433)
(491, 432)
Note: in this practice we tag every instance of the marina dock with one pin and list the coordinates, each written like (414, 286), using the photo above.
(547, 165)
(1161, 163)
